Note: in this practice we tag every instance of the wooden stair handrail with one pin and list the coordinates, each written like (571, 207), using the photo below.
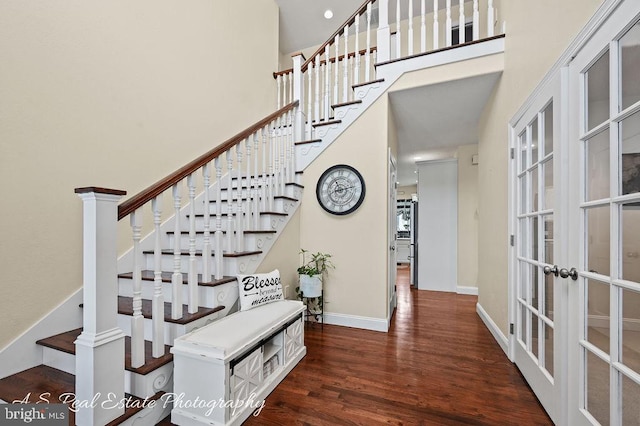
(332, 60)
(330, 40)
(143, 197)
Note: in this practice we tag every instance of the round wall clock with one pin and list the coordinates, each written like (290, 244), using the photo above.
(340, 189)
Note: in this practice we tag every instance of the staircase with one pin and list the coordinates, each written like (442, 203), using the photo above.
(214, 218)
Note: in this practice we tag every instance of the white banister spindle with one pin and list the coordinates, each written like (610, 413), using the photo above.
(461, 23)
(316, 95)
(192, 280)
(137, 320)
(277, 149)
(476, 21)
(283, 140)
(356, 72)
(423, 27)
(436, 30)
(248, 145)
(255, 194)
(367, 60)
(270, 175)
(176, 278)
(297, 94)
(206, 241)
(100, 346)
(229, 201)
(263, 175)
(336, 70)
(490, 19)
(292, 150)
(345, 60)
(287, 89)
(398, 31)
(279, 91)
(447, 26)
(310, 99)
(327, 82)
(157, 303)
(239, 217)
(410, 30)
(219, 255)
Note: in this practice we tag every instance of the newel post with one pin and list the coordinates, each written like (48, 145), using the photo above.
(100, 346)
(298, 95)
(384, 33)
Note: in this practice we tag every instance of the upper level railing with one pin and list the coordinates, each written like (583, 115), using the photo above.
(377, 32)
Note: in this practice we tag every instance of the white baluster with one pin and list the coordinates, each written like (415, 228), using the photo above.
(345, 80)
(336, 71)
(410, 30)
(317, 89)
(270, 175)
(291, 87)
(476, 21)
(436, 30)
(277, 148)
(367, 60)
(206, 241)
(356, 73)
(398, 32)
(461, 23)
(309, 100)
(137, 320)
(192, 280)
(327, 82)
(229, 201)
(490, 19)
(423, 27)
(447, 27)
(287, 89)
(279, 90)
(283, 141)
(263, 178)
(255, 195)
(291, 152)
(157, 303)
(248, 145)
(219, 255)
(239, 218)
(176, 278)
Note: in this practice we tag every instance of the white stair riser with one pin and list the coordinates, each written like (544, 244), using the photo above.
(289, 191)
(249, 244)
(140, 385)
(208, 296)
(264, 222)
(230, 264)
(278, 204)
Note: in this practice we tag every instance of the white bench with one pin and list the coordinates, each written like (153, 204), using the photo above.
(224, 370)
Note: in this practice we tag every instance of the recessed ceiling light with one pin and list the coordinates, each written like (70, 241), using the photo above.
(328, 14)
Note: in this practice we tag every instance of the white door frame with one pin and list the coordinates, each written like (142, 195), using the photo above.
(392, 186)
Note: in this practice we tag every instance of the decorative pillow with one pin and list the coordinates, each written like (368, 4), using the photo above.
(259, 289)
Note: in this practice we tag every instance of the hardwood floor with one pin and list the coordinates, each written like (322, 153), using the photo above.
(438, 365)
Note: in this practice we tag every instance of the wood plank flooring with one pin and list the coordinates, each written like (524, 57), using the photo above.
(438, 365)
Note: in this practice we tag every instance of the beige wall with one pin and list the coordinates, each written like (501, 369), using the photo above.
(115, 94)
(467, 216)
(535, 39)
(357, 242)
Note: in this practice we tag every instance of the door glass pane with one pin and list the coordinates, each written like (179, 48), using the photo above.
(630, 353)
(598, 236)
(598, 92)
(534, 238)
(598, 314)
(548, 129)
(630, 58)
(548, 348)
(523, 194)
(534, 286)
(597, 165)
(630, 232)
(524, 274)
(534, 190)
(548, 239)
(522, 236)
(534, 335)
(534, 141)
(547, 169)
(522, 142)
(630, 402)
(597, 388)
(630, 149)
(522, 330)
(548, 296)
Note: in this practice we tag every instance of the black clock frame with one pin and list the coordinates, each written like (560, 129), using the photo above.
(321, 179)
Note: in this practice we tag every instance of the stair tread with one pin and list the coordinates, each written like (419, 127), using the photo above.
(358, 101)
(308, 141)
(258, 186)
(326, 123)
(269, 231)
(276, 197)
(42, 380)
(199, 253)
(380, 80)
(125, 307)
(148, 275)
(213, 215)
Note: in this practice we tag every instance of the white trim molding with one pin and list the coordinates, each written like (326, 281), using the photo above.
(355, 321)
(493, 328)
(461, 289)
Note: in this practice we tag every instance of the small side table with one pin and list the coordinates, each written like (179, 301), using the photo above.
(308, 312)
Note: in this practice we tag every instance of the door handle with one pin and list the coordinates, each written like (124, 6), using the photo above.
(392, 248)
(573, 273)
(548, 270)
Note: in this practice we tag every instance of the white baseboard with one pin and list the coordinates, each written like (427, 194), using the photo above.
(467, 290)
(23, 353)
(367, 323)
(493, 328)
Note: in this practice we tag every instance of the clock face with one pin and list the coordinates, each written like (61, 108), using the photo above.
(340, 189)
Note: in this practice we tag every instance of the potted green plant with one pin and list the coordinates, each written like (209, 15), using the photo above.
(314, 266)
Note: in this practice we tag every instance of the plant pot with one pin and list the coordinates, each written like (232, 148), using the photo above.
(311, 286)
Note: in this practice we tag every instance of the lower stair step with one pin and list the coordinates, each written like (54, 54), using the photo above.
(125, 307)
(147, 275)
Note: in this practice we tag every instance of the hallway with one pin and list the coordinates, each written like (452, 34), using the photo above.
(438, 365)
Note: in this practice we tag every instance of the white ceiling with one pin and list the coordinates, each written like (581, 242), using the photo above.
(431, 121)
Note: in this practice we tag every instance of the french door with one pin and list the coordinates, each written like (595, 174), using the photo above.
(576, 211)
